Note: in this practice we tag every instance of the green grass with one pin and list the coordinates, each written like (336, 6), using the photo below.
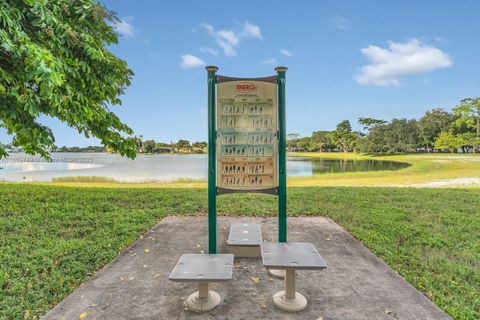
(85, 179)
(54, 238)
(424, 168)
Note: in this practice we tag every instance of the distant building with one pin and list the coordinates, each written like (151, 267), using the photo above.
(163, 150)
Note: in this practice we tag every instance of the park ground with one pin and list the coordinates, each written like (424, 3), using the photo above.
(425, 170)
(54, 236)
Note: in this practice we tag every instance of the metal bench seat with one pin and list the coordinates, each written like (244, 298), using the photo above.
(244, 239)
(203, 269)
(291, 256)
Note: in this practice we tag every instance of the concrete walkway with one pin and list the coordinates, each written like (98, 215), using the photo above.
(356, 284)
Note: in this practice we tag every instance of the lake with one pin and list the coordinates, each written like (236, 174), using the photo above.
(162, 167)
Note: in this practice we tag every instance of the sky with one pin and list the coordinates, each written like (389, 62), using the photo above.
(345, 59)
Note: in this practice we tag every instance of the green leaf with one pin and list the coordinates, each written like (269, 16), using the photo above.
(60, 61)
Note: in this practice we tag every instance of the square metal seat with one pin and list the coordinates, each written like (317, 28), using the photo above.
(244, 239)
(245, 234)
(291, 256)
(296, 255)
(203, 267)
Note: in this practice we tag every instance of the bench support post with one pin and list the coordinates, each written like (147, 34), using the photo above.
(203, 290)
(290, 284)
(204, 299)
(289, 299)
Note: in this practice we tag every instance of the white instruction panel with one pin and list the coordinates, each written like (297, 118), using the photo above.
(246, 135)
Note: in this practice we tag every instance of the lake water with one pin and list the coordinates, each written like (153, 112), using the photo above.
(164, 167)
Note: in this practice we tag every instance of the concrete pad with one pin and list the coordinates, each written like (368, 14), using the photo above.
(356, 284)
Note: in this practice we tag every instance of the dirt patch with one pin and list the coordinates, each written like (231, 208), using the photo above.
(449, 183)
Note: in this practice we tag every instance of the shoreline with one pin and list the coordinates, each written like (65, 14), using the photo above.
(425, 171)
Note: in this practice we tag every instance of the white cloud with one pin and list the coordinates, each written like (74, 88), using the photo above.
(190, 61)
(209, 50)
(228, 36)
(125, 27)
(269, 61)
(286, 53)
(388, 65)
(228, 40)
(441, 40)
(341, 23)
(251, 31)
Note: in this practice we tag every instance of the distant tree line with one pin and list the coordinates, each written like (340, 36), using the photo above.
(147, 146)
(10, 148)
(436, 131)
(79, 149)
(181, 146)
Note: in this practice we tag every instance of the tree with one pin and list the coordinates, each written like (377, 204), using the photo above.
(162, 145)
(343, 136)
(470, 139)
(183, 144)
(138, 143)
(149, 146)
(304, 143)
(432, 123)
(400, 135)
(200, 144)
(322, 140)
(376, 140)
(292, 139)
(368, 123)
(450, 141)
(54, 61)
(468, 112)
(293, 136)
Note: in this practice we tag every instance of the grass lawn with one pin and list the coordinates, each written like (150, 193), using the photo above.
(54, 238)
(425, 168)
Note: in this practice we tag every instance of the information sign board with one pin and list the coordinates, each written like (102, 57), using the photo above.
(247, 144)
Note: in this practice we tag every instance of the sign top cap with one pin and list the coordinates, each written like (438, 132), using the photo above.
(281, 68)
(211, 68)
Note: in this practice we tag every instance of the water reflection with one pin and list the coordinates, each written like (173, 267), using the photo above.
(44, 166)
(162, 167)
(299, 166)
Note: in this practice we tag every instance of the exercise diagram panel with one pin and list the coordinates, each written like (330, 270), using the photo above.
(246, 135)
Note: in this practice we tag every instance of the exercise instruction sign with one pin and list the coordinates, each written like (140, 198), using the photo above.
(247, 113)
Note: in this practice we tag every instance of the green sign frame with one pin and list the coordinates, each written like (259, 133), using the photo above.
(281, 174)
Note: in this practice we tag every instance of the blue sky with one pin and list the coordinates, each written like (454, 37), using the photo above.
(346, 59)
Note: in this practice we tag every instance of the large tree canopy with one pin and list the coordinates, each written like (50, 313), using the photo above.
(343, 136)
(432, 123)
(54, 62)
(468, 112)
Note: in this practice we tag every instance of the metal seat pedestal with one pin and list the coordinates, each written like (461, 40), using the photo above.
(289, 257)
(289, 299)
(276, 273)
(204, 299)
(203, 269)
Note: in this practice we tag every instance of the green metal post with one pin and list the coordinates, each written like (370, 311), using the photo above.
(212, 183)
(282, 157)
